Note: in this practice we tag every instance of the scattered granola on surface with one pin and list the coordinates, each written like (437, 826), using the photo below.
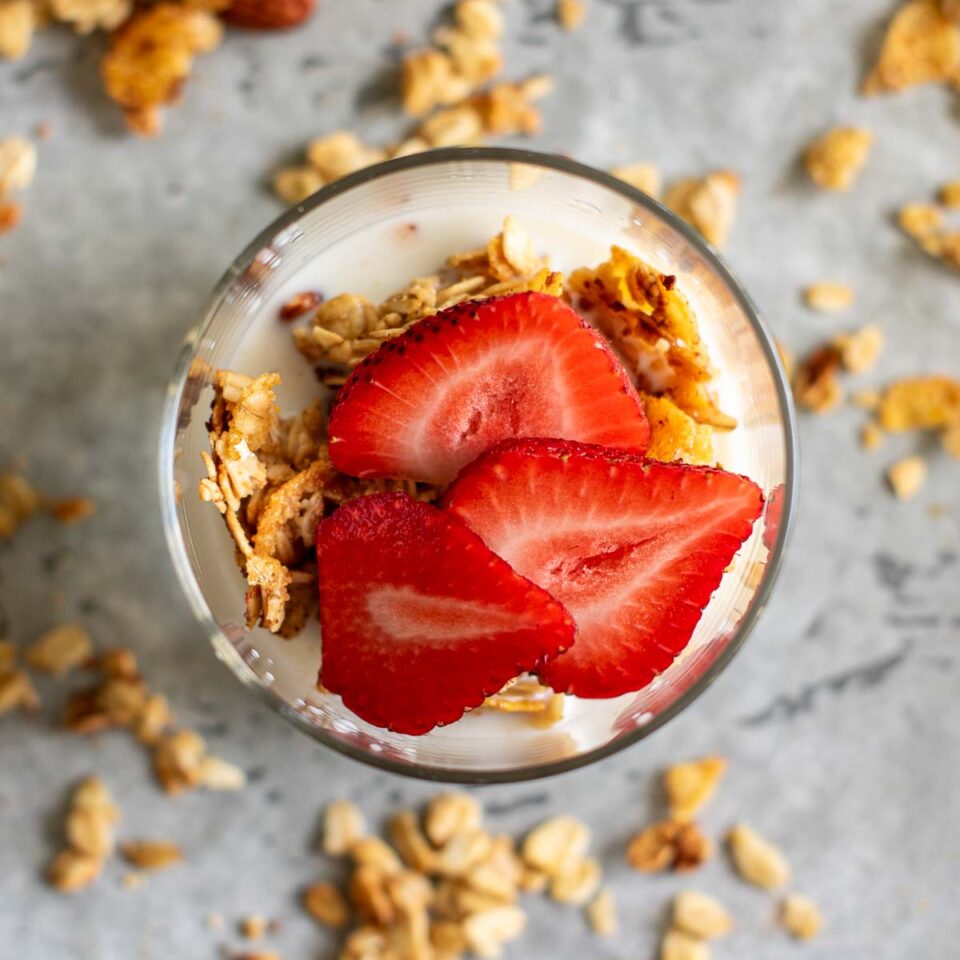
(570, 13)
(834, 160)
(690, 785)
(926, 223)
(827, 296)
(922, 45)
(89, 834)
(644, 176)
(757, 860)
(708, 203)
(151, 854)
(907, 476)
(700, 915)
(800, 916)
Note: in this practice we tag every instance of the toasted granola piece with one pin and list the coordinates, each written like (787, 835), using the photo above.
(374, 852)
(860, 350)
(668, 845)
(920, 403)
(650, 324)
(449, 814)
(700, 916)
(835, 159)
(556, 846)
(708, 203)
(299, 304)
(85, 16)
(326, 904)
(677, 945)
(644, 176)
(922, 45)
(215, 773)
(602, 913)
(17, 692)
(294, 184)
(907, 476)
(487, 931)
(72, 871)
(481, 19)
(815, 384)
(410, 842)
(950, 440)
(827, 296)
(151, 854)
(457, 126)
(570, 14)
(343, 826)
(675, 435)
(919, 220)
(475, 59)
(70, 510)
(60, 650)
(18, 502)
(690, 785)
(950, 195)
(871, 436)
(756, 859)
(340, 153)
(800, 916)
(11, 213)
(150, 58)
(18, 21)
(429, 79)
(18, 164)
(577, 884)
(510, 108)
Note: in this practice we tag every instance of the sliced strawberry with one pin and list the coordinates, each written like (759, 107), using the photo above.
(633, 548)
(429, 401)
(420, 620)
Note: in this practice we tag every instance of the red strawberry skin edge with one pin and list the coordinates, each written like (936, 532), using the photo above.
(420, 621)
(633, 548)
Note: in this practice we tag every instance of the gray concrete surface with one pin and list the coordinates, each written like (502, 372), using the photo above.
(840, 717)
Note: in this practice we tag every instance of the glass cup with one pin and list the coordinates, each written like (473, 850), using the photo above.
(467, 187)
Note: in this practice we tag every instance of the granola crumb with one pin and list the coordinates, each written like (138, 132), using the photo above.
(800, 916)
(816, 385)
(85, 16)
(922, 45)
(860, 350)
(294, 184)
(644, 176)
(757, 860)
(602, 913)
(834, 160)
(556, 845)
(907, 476)
(89, 834)
(343, 826)
(17, 692)
(920, 403)
(71, 510)
(577, 884)
(950, 440)
(570, 14)
(950, 195)
(677, 945)
(151, 854)
(18, 164)
(325, 903)
(11, 214)
(919, 220)
(18, 502)
(299, 304)
(708, 203)
(669, 845)
(690, 785)
(60, 650)
(253, 927)
(18, 21)
(700, 915)
(827, 296)
(871, 436)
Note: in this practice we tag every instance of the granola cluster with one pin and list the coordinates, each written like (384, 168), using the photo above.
(445, 888)
(20, 501)
(928, 225)
(271, 477)
(503, 109)
(18, 164)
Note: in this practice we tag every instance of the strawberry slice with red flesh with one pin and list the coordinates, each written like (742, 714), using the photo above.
(429, 401)
(633, 548)
(420, 620)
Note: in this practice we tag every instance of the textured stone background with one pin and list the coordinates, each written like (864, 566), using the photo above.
(840, 717)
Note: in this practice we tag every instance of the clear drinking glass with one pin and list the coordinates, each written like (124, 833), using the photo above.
(458, 194)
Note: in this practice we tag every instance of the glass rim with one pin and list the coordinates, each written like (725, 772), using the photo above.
(176, 542)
